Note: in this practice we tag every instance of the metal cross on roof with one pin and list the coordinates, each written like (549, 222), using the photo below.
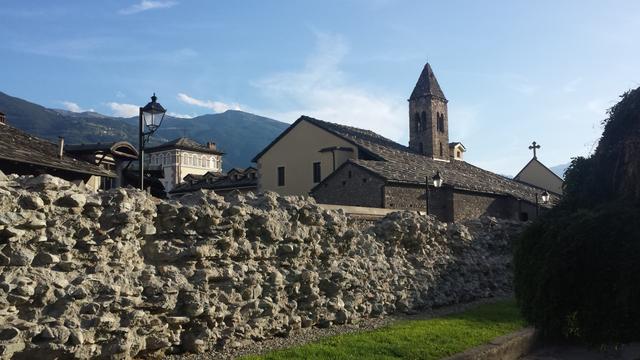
(534, 146)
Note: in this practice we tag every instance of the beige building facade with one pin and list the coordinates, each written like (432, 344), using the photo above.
(536, 174)
(300, 158)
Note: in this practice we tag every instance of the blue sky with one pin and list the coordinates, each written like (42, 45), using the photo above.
(513, 71)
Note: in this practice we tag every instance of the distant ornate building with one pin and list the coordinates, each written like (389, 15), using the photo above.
(345, 165)
(181, 157)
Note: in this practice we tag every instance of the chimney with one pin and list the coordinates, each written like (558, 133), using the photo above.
(60, 146)
(211, 145)
(3, 119)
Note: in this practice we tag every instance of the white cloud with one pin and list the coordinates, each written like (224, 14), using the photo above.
(124, 110)
(321, 89)
(74, 107)
(145, 5)
(216, 106)
(180, 116)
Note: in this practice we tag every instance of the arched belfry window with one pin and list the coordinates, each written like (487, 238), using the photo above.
(441, 150)
(424, 120)
(417, 120)
(440, 122)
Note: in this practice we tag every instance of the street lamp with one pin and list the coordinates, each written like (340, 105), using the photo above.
(544, 198)
(151, 116)
(436, 180)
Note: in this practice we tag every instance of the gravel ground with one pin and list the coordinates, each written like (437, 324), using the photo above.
(312, 334)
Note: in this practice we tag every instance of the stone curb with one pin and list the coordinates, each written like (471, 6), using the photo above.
(508, 347)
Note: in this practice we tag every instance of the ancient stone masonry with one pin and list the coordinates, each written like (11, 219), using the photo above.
(119, 274)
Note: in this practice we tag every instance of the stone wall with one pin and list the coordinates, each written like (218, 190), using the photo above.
(468, 205)
(350, 185)
(412, 197)
(120, 274)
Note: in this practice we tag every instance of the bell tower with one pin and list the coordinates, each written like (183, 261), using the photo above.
(428, 117)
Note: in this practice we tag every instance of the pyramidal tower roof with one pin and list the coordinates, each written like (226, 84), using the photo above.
(427, 85)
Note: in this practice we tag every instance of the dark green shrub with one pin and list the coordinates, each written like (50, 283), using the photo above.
(577, 275)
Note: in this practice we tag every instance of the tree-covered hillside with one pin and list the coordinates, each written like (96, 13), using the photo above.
(239, 134)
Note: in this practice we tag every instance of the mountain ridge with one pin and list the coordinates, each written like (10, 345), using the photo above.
(241, 135)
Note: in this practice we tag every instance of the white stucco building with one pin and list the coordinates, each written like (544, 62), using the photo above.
(182, 157)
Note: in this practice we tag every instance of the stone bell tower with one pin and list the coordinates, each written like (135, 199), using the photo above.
(428, 117)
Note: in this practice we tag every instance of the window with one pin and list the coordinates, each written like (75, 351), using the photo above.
(280, 175)
(316, 172)
(107, 183)
(417, 120)
(424, 120)
(459, 154)
(420, 148)
(441, 150)
(349, 174)
(440, 122)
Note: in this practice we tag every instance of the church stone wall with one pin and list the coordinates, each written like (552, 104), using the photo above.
(351, 185)
(472, 206)
(412, 197)
(430, 137)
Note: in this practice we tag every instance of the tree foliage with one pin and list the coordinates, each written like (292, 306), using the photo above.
(577, 269)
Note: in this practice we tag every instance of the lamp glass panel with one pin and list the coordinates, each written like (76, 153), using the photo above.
(152, 120)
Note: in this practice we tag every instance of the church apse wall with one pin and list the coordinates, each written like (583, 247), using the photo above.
(412, 197)
(350, 185)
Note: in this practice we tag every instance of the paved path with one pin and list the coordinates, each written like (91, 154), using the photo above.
(627, 352)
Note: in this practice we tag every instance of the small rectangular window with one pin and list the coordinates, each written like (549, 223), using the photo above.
(317, 175)
(280, 175)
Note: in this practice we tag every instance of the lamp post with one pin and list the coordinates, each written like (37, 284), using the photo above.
(151, 116)
(437, 182)
(544, 197)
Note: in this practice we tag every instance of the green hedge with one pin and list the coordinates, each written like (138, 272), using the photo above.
(577, 274)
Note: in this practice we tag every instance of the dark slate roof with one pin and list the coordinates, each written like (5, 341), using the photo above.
(185, 144)
(397, 163)
(216, 182)
(457, 174)
(367, 141)
(427, 85)
(121, 148)
(17, 145)
(454, 144)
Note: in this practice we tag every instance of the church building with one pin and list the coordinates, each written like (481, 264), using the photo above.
(537, 174)
(344, 165)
